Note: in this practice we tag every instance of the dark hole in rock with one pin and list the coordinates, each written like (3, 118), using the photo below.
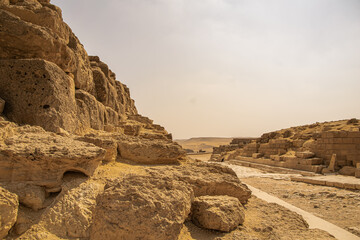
(73, 174)
(46, 106)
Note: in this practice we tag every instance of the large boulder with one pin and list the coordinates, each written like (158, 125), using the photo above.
(149, 151)
(39, 93)
(8, 211)
(207, 179)
(141, 207)
(221, 213)
(30, 153)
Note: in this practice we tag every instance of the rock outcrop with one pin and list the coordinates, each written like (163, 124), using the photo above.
(30, 154)
(75, 153)
(8, 211)
(207, 179)
(221, 213)
(139, 207)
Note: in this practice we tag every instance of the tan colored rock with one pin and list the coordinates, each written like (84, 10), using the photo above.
(305, 155)
(32, 154)
(348, 171)
(91, 113)
(31, 196)
(149, 151)
(8, 211)
(207, 179)
(107, 143)
(39, 93)
(34, 30)
(222, 213)
(139, 207)
(72, 214)
(2, 105)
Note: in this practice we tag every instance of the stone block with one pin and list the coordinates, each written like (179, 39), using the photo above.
(357, 173)
(306, 154)
(348, 171)
(257, 155)
(39, 93)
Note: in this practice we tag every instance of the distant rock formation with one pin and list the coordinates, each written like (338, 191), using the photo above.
(308, 147)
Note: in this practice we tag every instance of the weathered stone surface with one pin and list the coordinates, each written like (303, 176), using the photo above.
(31, 196)
(8, 211)
(34, 30)
(72, 214)
(32, 154)
(107, 143)
(38, 92)
(348, 171)
(305, 154)
(207, 179)
(139, 207)
(149, 151)
(221, 213)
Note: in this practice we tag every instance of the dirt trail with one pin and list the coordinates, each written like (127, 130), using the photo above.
(256, 177)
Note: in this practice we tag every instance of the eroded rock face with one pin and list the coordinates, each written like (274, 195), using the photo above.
(39, 93)
(221, 213)
(139, 207)
(30, 154)
(150, 151)
(8, 211)
(33, 29)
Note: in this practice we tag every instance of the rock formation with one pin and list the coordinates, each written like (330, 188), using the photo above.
(221, 213)
(308, 147)
(8, 211)
(75, 153)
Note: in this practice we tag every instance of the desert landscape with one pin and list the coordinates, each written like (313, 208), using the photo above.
(78, 161)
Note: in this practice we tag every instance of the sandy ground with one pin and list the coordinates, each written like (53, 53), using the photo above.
(265, 221)
(338, 206)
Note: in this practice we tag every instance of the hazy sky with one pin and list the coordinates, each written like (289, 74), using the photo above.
(228, 67)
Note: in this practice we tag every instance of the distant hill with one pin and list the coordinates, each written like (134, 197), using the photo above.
(203, 143)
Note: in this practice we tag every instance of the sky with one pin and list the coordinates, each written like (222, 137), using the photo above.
(228, 68)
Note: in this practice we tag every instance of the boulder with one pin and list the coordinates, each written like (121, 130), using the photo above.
(222, 213)
(31, 196)
(107, 143)
(305, 154)
(147, 151)
(8, 211)
(72, 214)
(207, 179)
(38, 92)
(141, 207)
(32, 154)
(348, 171)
